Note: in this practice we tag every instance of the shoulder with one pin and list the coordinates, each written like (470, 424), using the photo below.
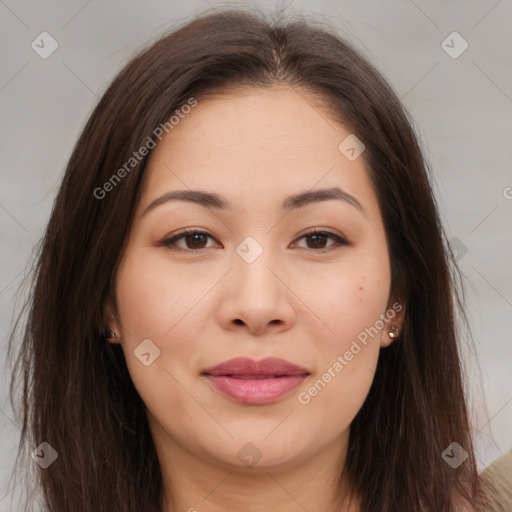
(496, 479)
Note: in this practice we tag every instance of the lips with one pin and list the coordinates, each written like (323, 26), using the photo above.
(255, 382)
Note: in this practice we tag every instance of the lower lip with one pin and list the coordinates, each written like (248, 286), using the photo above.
(256, 392)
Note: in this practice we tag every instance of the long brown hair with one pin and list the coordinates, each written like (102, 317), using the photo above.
(76, 391)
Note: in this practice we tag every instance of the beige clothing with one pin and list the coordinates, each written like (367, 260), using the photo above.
(498, 476)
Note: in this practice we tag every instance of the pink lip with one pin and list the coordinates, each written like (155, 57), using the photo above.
(273, 378)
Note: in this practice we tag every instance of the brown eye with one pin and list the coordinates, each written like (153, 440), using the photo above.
(193, 240)
(196, 241)
(317, 240)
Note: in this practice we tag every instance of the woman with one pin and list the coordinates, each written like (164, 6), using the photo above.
(244, 299)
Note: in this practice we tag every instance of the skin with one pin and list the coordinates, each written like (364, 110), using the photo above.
(205, 304)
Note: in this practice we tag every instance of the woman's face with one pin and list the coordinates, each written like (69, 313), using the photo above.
(255, 283)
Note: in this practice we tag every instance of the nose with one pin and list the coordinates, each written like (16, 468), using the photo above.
(255, 298)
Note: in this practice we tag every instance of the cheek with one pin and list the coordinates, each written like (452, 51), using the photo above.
(346, 303)
(154, 303)
(352, 304)
(347, 356)
(153, 298)
(334, 398)
(359, 306)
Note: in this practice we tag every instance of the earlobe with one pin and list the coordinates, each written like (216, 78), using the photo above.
(110, 331)
(392, 330)
(392, 333)
(110, 336)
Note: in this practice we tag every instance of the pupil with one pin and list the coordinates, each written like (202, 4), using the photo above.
(196, 239)
(318, 239)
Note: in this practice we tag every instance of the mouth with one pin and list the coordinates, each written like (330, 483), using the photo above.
(252, 382)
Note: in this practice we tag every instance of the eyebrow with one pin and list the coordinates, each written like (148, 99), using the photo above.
(213, 200)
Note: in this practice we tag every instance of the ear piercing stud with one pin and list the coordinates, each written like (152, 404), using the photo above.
(393, 332)
(109, 336)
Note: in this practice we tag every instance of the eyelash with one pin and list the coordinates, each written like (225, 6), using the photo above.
(170, 243)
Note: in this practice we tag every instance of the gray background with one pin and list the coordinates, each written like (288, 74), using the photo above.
(462, 108)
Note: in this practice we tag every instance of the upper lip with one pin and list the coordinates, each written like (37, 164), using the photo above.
(271, 366)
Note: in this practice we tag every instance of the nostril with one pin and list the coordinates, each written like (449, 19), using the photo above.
(238, 321)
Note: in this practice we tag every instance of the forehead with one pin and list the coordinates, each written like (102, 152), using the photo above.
(248, 143)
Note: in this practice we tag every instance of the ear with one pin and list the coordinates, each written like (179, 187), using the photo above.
(393, 321)
(110, 322)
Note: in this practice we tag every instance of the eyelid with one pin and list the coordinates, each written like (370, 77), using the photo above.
(168, 241)
(339, 240)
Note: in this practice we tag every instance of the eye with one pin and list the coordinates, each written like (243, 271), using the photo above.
(196, 240)
(192, 239)
(318, 240)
